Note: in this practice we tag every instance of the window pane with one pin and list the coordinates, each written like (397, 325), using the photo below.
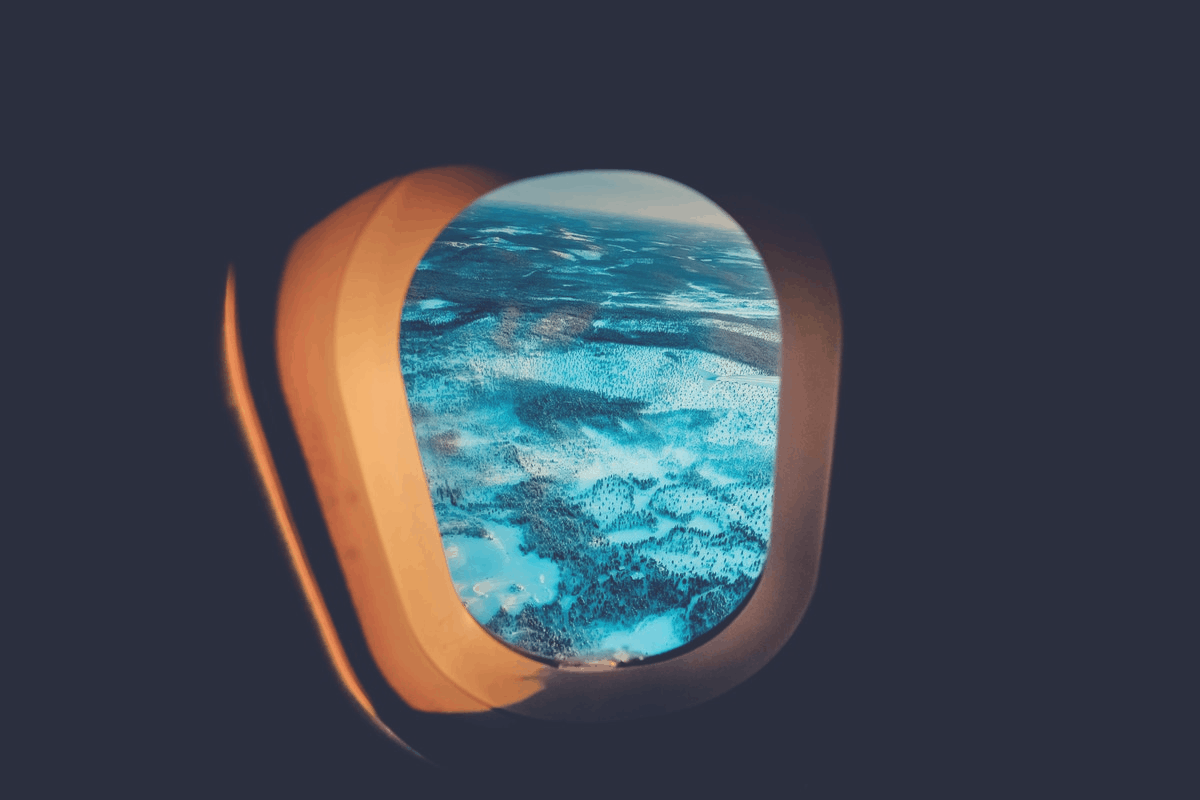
(591, 361)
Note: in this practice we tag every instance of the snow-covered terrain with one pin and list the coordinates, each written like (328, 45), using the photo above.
(596, 422)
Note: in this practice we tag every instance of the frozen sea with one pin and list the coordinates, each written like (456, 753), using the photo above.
(600, 491)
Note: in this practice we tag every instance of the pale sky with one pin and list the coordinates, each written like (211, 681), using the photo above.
(617, 191)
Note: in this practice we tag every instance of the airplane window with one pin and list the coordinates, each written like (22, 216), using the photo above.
(591, 362)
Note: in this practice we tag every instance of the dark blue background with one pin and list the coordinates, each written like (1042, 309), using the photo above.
(975, 629)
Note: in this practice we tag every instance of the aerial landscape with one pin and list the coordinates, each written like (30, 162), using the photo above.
(594, 392)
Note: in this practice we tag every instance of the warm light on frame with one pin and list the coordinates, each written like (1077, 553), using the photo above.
(339, 318)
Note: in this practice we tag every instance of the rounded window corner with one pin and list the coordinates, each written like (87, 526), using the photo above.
(339, 324)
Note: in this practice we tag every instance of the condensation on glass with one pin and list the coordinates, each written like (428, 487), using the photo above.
(591, 361)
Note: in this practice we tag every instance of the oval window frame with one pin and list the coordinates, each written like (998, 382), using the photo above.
(337, 334)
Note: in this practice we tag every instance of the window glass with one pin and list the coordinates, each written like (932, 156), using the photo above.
(591, 361)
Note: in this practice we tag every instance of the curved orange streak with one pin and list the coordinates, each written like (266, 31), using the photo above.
(255, 440)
